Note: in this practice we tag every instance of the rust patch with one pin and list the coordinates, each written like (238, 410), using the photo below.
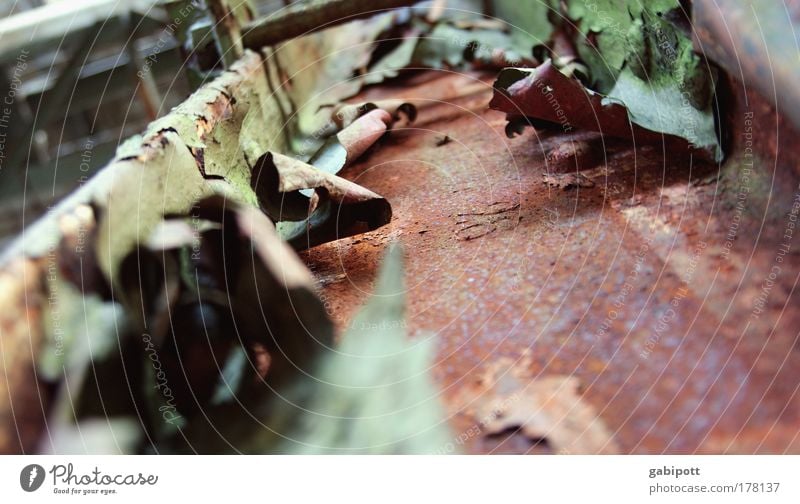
(626, 286)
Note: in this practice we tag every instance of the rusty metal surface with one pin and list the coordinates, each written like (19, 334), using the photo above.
(645, 287)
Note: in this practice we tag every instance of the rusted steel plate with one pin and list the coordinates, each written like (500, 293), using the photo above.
(646, 286)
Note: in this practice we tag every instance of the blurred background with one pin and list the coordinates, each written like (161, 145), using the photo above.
(97, 74)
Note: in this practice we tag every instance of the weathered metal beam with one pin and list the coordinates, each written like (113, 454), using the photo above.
(146, 88)
(227, 28)
(306, 17)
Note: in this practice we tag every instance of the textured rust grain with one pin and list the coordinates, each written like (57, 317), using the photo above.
(631, 286)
